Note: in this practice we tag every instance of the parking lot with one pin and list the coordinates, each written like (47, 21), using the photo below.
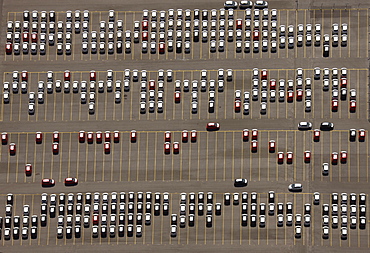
(226, 229)
(104, 115)
(66, 104)
(207, 159)
(202, 49)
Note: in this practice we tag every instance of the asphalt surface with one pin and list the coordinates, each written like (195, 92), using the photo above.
(212, 162)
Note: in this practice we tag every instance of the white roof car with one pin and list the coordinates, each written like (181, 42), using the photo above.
(295, 187)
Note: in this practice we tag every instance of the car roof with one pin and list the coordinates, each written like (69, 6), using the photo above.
(326, 123)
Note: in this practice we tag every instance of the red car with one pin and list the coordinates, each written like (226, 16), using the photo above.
(34, 37)
(263, 74)
(177, 96)
(133, 136)
(28, 169)
(280, 157)
(361, 135)
(25, 37)
(92, 75)
(352, 106)
(144, 36)
(67, 75)
(70, 181)
(47, 182)
(272, 84)
(213, 126)
(334, 158)
(237, 105)
(8, 48)
(99, 137)
(256, 35)
(254, 134)
(343, 83)
(299, 95)
(107, 148)
(272, 146)
(343, 156)
(81, 136)
(38, 138)
(90, 137)
(96, 219)
(254, 146)
(289, 157)
(162, 47)
(24, 76)
(239, 24)
(184, 136)
(107, 136)
(12, 149)
(56, 136)
(167, 136)
(151, 85)
(290, 96)
(193, 136)
(144, 25)
(334, 105)
(176, 147)
(55, 148)
(4, 138)
(167, 148)
(307, 156)
(116, 136)
(316, 135)
(245, 135)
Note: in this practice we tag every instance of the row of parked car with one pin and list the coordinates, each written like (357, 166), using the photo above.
(217, 42)
(264, 95)
(102, 219)
(107, 137)
(38, 30)
(101, 45)
(259, 78)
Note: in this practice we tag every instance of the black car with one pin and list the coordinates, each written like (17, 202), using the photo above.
(119, 47)
(325, 52)
(326, 126)
(240, 182)
(352, 135)
(178, 47)
(245, 4)
(196, 36)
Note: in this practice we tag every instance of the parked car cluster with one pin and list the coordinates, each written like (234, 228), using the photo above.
(271, 90)
(120, 214)
(151, 91)
(167, 31)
